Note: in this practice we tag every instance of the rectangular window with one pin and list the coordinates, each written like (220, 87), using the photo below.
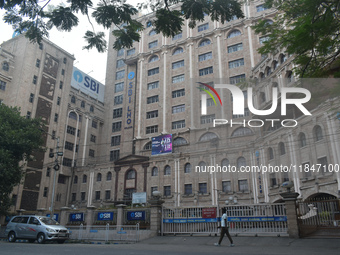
(74, 196)
(210, 102)
(28, 115)
(243, 185)
(120, 53)
(153, 44)
(187, 189)
(206, 71)
(118, 100)
(114, 155)
(58, 100)
(226, 186)
(153, 85)
(176, 37)
(263, 39)
(152, 114)
(71, 130)
(202, 188)
(131, 52)
(31, 99)
(324, 165)
(53, 134)
(62, 72)
(234, 48)
(115, 140)
(45, 192)
(178, 124)
(35, 79)
(204, 56)
(48, 172)
(69, 146)
(178, 93)
(61, 85)
(61, 179)
(261, 8)
(178, 108)
(152, 129)
(117, 113)
(153, 99)
(154, 189)
(237, 79)
(94, 124)
(246, 113)
(167, 191)
(107, 194)
(207, 119)
(178, 64)
(119, 87)
(120, 75)
(37, 63)
(236, 63)
(3, 85)
(116, 126)
(93, 138)
(203, 27)
(120, 63)
(272, 178)
(178, 78)
(97, 195)
(82, 196)
(56, 116)
(91, 153)
(153, 71)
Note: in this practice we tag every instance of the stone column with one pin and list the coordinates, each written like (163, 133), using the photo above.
(292, 219)
(120, 215)
(156, 216)
(63, 215)
(89, 216)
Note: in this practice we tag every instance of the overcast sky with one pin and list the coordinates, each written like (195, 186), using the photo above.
(90, 62)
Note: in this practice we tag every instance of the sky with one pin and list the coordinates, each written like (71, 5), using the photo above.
(91, 61)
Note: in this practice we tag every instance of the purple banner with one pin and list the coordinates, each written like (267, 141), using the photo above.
(162, 144)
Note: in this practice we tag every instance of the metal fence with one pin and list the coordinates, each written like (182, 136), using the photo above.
(127, 233)
(263, 219)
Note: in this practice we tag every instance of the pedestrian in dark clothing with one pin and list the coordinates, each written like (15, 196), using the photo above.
(224, 229)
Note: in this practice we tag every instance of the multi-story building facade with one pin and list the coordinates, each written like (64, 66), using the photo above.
(155, 89)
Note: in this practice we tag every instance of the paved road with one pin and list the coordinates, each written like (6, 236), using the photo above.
(183, 245)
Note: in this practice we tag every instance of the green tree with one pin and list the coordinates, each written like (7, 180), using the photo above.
(38, 17)
(19, 138)
(308, 29)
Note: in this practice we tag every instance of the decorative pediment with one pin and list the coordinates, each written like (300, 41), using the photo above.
(131, 160)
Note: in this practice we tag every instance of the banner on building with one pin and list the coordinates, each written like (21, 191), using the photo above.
(161, 144)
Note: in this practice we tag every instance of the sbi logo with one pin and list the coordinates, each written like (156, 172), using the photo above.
(78, 76)
(88, 82)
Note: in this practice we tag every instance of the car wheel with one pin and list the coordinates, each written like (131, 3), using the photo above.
(41, 238)
(12, 237)
(31, 240)
(61, 241)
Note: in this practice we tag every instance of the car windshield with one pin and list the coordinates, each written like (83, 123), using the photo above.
(48, 221)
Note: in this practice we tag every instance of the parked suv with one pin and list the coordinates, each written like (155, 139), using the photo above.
(34, 227)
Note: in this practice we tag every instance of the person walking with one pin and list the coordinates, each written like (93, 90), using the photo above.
(224, 229)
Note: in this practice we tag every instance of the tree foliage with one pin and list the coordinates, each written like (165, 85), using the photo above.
(32, 16)
(309, 29)
(19, 138)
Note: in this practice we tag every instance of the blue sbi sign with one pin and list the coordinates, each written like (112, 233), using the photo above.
(87, 84)
(131, 76)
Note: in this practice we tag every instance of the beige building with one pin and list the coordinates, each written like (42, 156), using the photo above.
(152, 90)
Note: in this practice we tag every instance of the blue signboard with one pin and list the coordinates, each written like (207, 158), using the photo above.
(105, 216)
(77, 217)
(257, 219)
(55, 216)
(161, 144)
(137, 215)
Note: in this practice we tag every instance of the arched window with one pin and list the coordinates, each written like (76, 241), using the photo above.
(282, 148)
(205, 42)
(242, 131)
(302, 140)
(73, 99)
(84, 178)
(99, 177)
(234, 33)
(187, 168)
(167, 170)
(202, 164)
(131, 174)
(5, 66)
(274, 65)
(82, 105)
(154, 171)
(283, 58)
(241, 161)
(109, 176)
(179, 141)
(75, 179)
(148, 146)
(225, 162)
(178, 51)
(91, 108)
(207, 137)
(270, 153)
(154, 58)
(318, 133)
(152, 32)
